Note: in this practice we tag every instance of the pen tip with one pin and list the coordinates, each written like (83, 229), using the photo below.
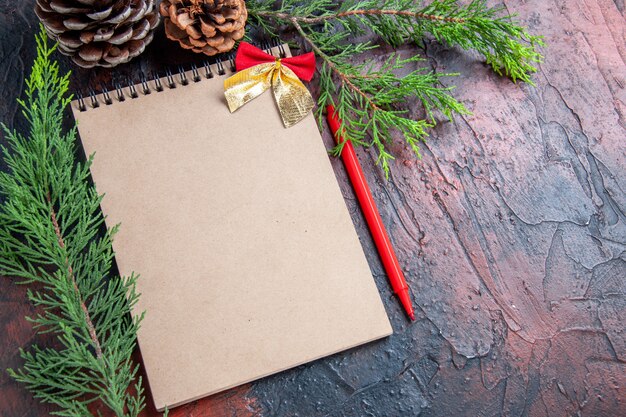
(412, 316)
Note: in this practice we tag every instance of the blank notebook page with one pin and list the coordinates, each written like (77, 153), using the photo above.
(248, 259)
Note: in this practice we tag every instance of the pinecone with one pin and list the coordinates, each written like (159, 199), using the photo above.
(99, 32)
(206, 26)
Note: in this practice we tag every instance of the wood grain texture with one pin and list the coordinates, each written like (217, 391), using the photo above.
(511, 230)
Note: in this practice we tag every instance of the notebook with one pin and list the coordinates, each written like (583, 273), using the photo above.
(248, 259)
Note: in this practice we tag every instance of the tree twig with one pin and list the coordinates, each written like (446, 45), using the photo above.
(61, 242)
(345, 78)
(362, 12)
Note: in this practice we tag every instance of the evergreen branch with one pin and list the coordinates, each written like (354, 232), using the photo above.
(508, 47)
(365, 97)
(51, 236)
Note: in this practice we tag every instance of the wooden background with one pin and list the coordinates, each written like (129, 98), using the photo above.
(511, 230)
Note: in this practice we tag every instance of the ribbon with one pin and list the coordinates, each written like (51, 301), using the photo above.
(258, 71)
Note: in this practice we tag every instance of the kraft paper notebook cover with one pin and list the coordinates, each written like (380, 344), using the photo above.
(248, 259)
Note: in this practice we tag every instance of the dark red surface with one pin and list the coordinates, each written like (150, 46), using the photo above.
(511, 231)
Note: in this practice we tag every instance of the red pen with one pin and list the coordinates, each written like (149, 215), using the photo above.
(374, 222)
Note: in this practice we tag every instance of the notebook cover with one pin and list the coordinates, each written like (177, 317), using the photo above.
(248, 259)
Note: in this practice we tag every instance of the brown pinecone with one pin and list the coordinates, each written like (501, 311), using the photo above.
(99, 32)
(206, 26)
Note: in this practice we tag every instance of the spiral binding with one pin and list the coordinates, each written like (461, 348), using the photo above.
(155, 83)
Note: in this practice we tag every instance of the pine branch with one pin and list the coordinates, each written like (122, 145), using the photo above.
(367, 98)
(50, 237)
(508, 47)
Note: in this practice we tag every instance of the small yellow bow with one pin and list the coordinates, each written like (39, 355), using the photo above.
(292, 97)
